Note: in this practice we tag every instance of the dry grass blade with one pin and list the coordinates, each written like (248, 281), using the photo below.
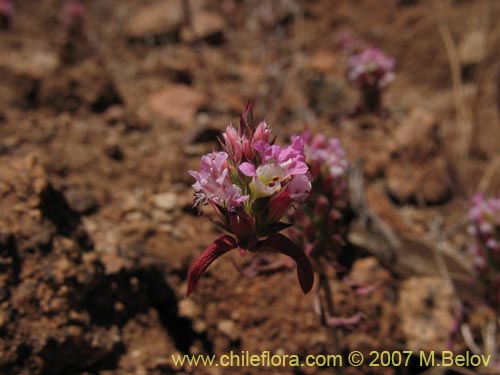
(463, 114)
(489, 175)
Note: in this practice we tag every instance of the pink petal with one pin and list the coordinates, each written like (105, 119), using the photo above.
(279, 243)
(248, 169)
(299, 187)
(263, 148)
(217, 248)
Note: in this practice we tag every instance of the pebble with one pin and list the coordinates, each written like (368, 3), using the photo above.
(177, 102)
(156, 19)
(228, 327)
(165, 201)
(205, 25)
(189, 309)
(472, 48)
(426, 306)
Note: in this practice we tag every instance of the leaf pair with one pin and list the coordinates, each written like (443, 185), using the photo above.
(275, 243)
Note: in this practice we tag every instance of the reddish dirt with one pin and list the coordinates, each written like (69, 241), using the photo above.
(98, 129)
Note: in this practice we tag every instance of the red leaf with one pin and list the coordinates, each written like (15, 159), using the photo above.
(217, 248)
(279, 243)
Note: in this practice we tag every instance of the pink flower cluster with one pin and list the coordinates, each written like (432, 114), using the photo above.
(322, 223)
(325, 156)
(251, 185)
(73, 14)
(271, 169)
(371, 71)
(485, 226)
(7, 12)
(371, 67)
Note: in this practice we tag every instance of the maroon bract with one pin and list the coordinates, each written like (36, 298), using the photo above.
(251, 185)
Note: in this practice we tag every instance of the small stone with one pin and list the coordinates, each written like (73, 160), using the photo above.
(228, 327)
(205, 25)
(22, 69)
(189, 309)
(156, 19)
(165, 201)
(416, 140)
(119, 306)
(472, 48)
(32, 60)
(82, 201)
(177, 102)
(436, 183)
(368, 271)
(323, 61)
(423, 183)
(113, 263)
(425, 306)
(135, 216)
(400, 180)
(381, 205)
(199, 326)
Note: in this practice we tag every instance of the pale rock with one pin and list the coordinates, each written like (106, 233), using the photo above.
(165, 201)
(426, 312)
(205, 24)
(177, 102)
(156, 19)
(189, 309)
(472, 49)
(228, 327)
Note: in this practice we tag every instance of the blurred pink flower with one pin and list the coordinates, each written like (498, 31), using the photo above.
(372, 65)
(371, 71)
(485, 226)
(321, 224)
(7, 13)
(73, 14)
